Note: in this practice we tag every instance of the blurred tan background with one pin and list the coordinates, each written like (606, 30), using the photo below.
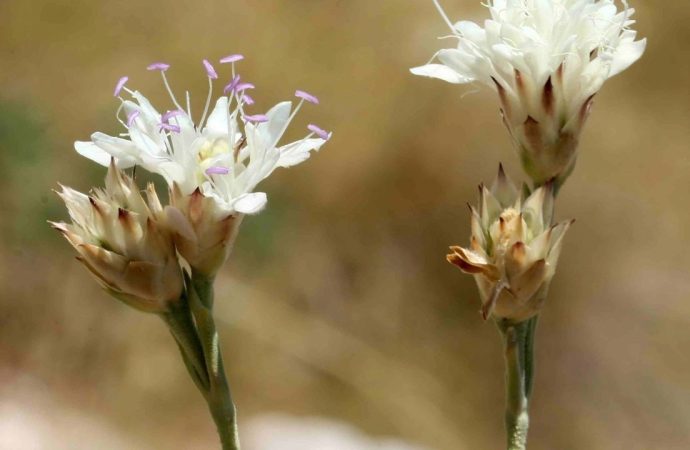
(338, 302)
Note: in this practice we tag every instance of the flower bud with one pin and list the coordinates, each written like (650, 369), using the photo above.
(513, 249)
(204, 232)
(123, 244)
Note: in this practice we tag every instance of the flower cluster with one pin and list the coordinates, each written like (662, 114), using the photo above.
(225, 155)
(513, 249)
(546, 60)
(212, 168)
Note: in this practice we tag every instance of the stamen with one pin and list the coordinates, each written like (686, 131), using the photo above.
(120, 84)
(320, 132)
(165, 118)
(132, 116)
(247, 99)
(165, 81)
(232, 85)
(119, 110)
(208, 100)
(210, 70)
(445, 16)
(189, 105)
(158, 66)
(244, 86)
(306, 96)
(257, 118)
(217, 170)
(231, 59)
(169, 127)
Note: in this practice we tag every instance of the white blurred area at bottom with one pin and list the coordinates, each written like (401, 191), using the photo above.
(32, 418)
(284, 432)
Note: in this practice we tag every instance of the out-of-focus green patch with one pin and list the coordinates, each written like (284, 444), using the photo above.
(25, 180)
(258, 239)
(22, 139)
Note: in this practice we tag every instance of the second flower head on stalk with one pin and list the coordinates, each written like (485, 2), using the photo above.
(546, 59)
(513, 250)
(212, 165)
(122, 241)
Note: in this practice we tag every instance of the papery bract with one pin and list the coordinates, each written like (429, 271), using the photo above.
(123, 243)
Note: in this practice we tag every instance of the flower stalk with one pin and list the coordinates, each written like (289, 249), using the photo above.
(515, 336)
(219, 396)
(192, 326)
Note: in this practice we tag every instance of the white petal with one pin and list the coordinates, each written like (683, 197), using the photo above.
(93, 152)
(250, 203)
(441, 72)
(277, 121)
(103, 148)
(297, 152)
(118, 147)
(626, 54)
(218, 120)
(146, 107)
(471, 30)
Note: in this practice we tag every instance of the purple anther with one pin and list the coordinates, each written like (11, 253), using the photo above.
(231, 59)
(217, 170)
(158, 66)
(120, 84)
(320, 132)
(232, 85)
(132, 116)
(244, 86)
(168, 127)
(210, 70)
(306, 96)
(165, 118)
(257, 118)
(247, 99)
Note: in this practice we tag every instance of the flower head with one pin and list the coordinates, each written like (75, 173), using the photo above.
(513, 250)
(547, 60)
(122, 242)
(224, 155)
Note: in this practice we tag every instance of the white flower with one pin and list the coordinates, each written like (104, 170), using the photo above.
(514, 249)
(225, 156)
(122, 242)
(546, 59)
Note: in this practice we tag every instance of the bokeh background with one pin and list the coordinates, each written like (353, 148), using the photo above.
(338, 303)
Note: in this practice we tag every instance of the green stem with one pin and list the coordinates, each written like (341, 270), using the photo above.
(181, 325)
(517, 415)
(528, 355)
(219, 397)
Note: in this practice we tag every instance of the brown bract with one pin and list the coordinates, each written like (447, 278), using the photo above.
(204, 234)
